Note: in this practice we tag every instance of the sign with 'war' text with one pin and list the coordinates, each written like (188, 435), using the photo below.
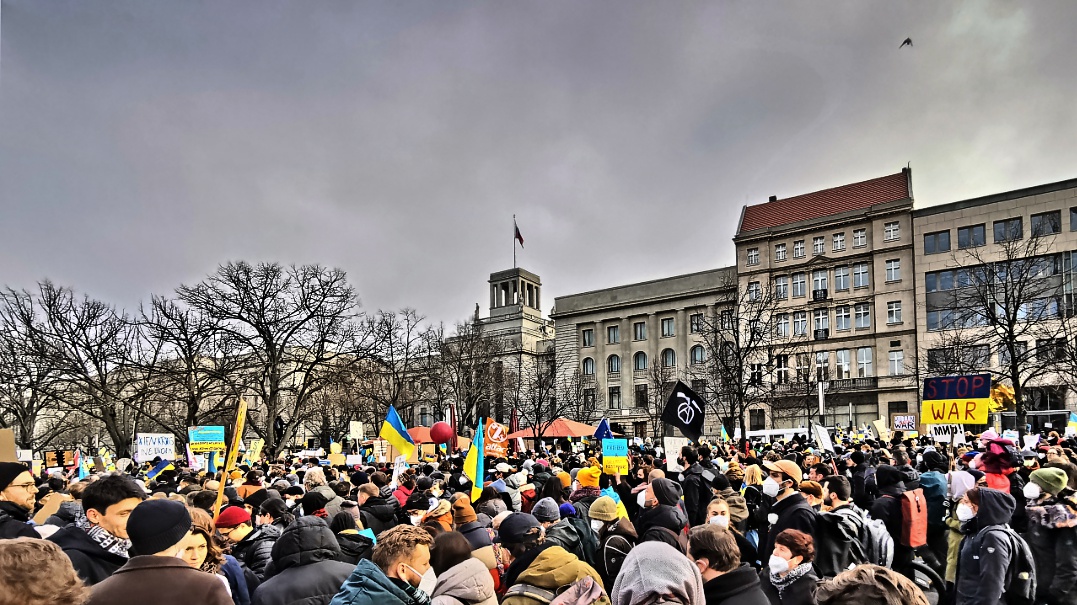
(956, 399)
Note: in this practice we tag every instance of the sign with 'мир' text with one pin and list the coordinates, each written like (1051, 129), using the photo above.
(956, 399)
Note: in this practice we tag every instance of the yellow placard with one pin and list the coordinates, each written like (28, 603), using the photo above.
(955, 411)
(230, 462)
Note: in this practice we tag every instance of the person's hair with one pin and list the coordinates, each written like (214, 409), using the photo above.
(531, 540)
(408, 481)
(822, 469)
(76, 489)
(753, 475)
(253, 476)
(974, 495)
(379, 479)
(798, 543)
(110, 490)
(690, 455)
(341, 488)
(449, 550)
(57, 484)
(901, 458)
(204, 499)
(868, 583)
(838, 487)
(315, 477)
(202, 524)
(397, 543)
(369, 489)
(37, 572)
(715, 544)
(552, 489)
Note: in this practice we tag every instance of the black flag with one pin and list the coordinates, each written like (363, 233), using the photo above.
(684, 410)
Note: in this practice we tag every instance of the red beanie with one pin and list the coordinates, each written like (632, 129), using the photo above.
(232, 517)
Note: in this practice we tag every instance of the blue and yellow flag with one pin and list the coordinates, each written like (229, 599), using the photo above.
(475, 462)
(393, 431)
(725, 434)
(84, 469)
(164, 465)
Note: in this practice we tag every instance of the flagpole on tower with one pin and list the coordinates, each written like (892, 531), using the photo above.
(514, 241)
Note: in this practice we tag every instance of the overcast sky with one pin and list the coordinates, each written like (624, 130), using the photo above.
(143, 143)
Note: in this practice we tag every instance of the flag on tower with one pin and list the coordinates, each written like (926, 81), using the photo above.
(519, 237)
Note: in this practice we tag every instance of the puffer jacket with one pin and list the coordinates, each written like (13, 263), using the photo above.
(305, 569)
(985, 556)
(333, 507)
(1052, 538)
(654, 521)
(548, 567)
(256, 550)
(354, 546)
(513, 483)
(379, 514)
(368, 585)
(614, 544)
(467, 583)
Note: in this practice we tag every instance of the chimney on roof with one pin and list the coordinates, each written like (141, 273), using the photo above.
(773, 198)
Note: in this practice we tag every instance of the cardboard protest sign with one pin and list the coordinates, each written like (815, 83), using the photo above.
(151, 445)
(615, 456)
(956, 399)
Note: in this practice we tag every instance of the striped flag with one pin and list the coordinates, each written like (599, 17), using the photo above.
(474, 463)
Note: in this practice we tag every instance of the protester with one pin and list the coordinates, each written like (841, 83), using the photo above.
(657, 573)
(536, 567)
(887, 508)
(314, 481)
(1052, 535)
(202, 550)
(157, 530)
(305, 569)
(869, 584)
(986, 552)
(18, 492)
(399, 573)
(718, 515)
(726, 579)
(353, 545)
(479, 537)
(251, 547)
(378, 513)
(461, 578)
(274, 511)
(53, 581)
(615, 536)
(791, 509)
(696, 489)
(662, 518)
(789, 578)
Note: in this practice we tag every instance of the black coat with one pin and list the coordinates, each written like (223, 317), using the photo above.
(13, 522)
(793, 512)
(887, 508)
(305, 568)
(862, 496)
(354, 547)
(697, 494)
(255, 551)
(379, 513)
(738, 587)
(653, 520)
(985, 557)
(1054, 549)
(91, 562)
(800, 592)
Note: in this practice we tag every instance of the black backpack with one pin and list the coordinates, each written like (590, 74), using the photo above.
(614, 550)
(1020, 587)
(838, 545)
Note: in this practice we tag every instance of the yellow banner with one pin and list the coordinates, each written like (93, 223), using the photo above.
(230, 463)
(955, 411)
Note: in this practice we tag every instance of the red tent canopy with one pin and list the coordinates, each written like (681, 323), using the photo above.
(562, 427)
(420, 434)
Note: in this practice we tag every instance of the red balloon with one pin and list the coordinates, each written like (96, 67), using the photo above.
(441, 432)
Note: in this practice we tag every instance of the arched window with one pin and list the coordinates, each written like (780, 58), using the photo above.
(669, 358)
(639, 361)
(698, 354)
(613, 364)
(588, 366)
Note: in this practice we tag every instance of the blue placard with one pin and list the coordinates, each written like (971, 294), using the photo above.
(615, 448)
(205, 439)
(972, 386)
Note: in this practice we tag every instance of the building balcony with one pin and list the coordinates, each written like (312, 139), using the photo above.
(843, 385)
(639, 374)
(821, 334)
(589, 379)
(613, 376)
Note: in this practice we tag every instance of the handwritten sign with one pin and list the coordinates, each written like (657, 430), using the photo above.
(905, 423)
(205, 439)
(954, 434)
(615, 456)
(956, 399)
(151, 445)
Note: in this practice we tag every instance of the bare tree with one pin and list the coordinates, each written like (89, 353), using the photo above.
(398, 350)
(468, 370)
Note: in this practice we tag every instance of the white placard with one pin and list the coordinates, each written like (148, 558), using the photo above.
(150, 445)
(25, 455)
(822, 437)
(673, 447)
(953, 434)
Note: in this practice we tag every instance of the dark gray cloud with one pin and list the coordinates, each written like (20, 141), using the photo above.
(143, 143)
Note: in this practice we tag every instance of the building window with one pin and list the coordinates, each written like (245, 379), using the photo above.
(752, 256)
(800, 323)
(588, 338)
(798, 249)
(669, 358)
(821, 318)
(841, 278)
(755, 329)
(937, 242)
(754, 290)
(1008, 230)
(695, 323)
(822, 366)
(639, 361)
(667, 327)
(860, 238)
(972, 236)
(588, 366)
(1051, 349)
(1021, 349)
(799, 285)
(756, 377)
(757, 420)
(1046, 223)
(779, 252)
(839, 241)
(893, 269)
(818, 245)
(641, 396)
(781, 326)
(818, 280)
(589, 398)
(891, 231)
(614, 398)
(613, 364)
(862, 313)
(639, 330)
(863, 362)
(781, 287)
(698, 355)
(893, 312)
(726, 319)
(861, 278)
(843, 364)
(897, 363)
(613, 334)
(899, 407)
(842, 318)
(1073, 219)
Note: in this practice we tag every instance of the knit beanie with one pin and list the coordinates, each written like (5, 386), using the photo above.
(567, 510)
(1050, 480)
(157, 525)
(588, 477)
(565, 478)
(603, 509)
(233, 516)
(545, 510)
(666, 491)
(8, 472)
(256, 499)
(313, 501)
(462, 512)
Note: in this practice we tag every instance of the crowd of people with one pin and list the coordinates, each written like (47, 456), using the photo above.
(767, 524)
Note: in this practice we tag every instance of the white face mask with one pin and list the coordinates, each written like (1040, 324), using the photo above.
(965, 512)
(1032, 491)
(416, 520)
(778, 564)
(429, 581)
(771, 487)
(720, 521)
(596, 525)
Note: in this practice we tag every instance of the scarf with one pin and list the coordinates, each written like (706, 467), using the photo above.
(107, 541)
(321, 513)
(584, 492)
(1054, 513)
(418, 597)
(782, 583)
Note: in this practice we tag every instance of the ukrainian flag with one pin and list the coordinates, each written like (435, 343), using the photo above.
(164, 465)
(725, 434)
(393, 431)
(474, 463)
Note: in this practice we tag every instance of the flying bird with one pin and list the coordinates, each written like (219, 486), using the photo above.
(907, 42)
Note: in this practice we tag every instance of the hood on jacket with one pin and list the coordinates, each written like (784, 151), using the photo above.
(67, 513)
(886, 476)
(469, 582)
(264, 532)
(384, 509)
(655, 571)
(996, 507)
(368, 584)
(555, 567)
(306, 541)
(734, 583)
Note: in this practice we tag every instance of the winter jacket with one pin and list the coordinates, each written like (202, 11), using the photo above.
(402, 494)
(14, 522)
(237, 580)
(482, 548)
(368, 585)
(800, 592)
(697, 493)
(305, 569)
(738, 587)
(467, 583)
(861, 495)
(614, 544)
(333, 507)
(160, 581)
(653, 520)
(1054, 548)
(887, 508)
(91, 562)
(793, 512)
(579, 541)
(985, 556)
(66, 514)
(548, 567)
(354, 546)
(837, 544)
(934, 486)
(379, 513)
(255, 550)
(911, 476)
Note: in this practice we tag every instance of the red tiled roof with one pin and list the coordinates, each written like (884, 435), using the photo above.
(855, 196)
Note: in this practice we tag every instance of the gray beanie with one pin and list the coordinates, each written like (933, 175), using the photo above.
(546, 510)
